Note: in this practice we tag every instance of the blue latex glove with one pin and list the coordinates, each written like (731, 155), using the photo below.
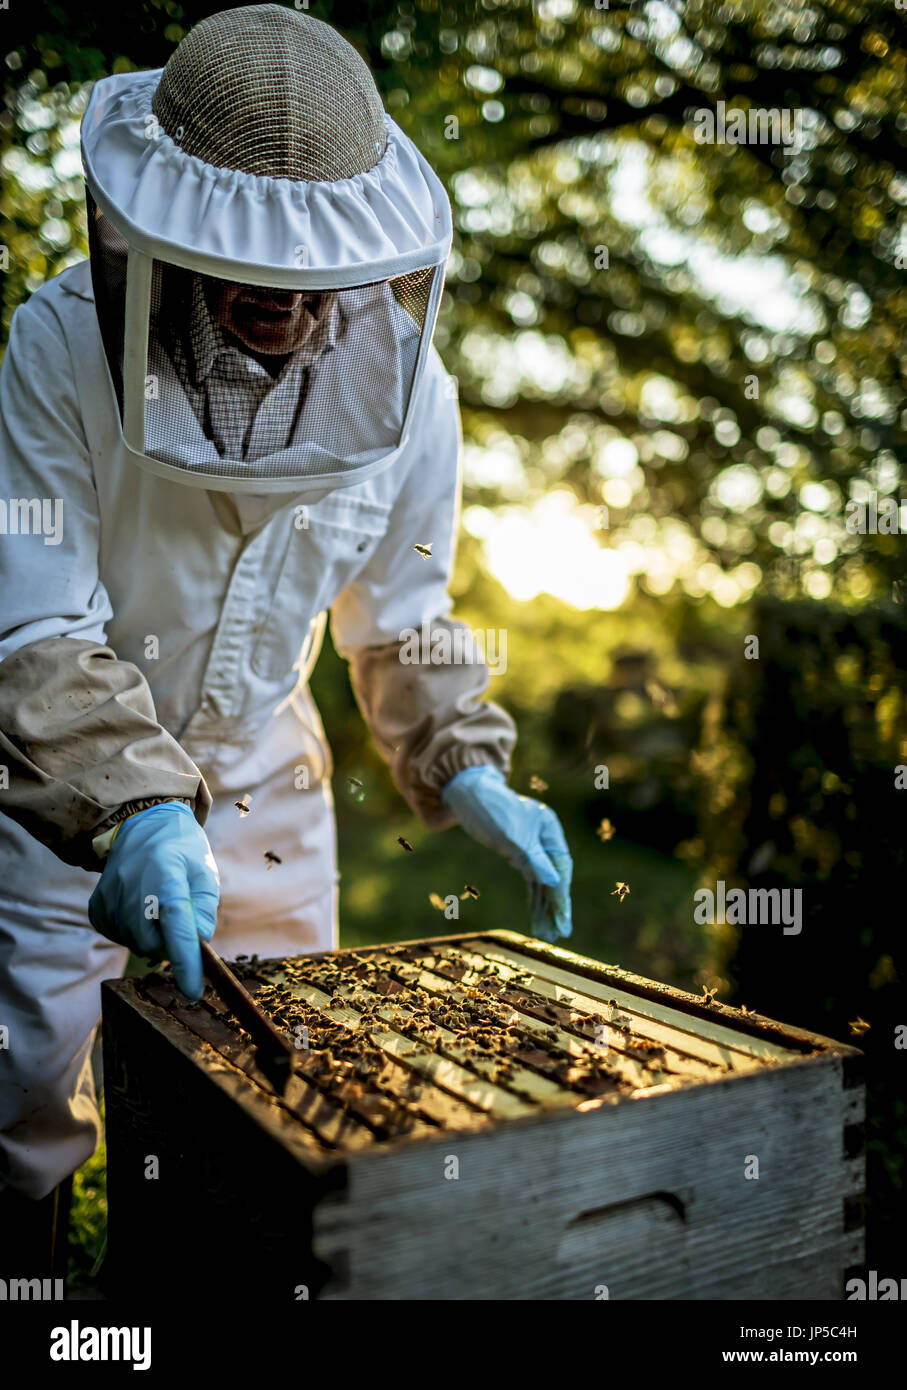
(159, 890)
(529, 836)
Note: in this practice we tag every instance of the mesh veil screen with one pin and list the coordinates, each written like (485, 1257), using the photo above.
(237, 374)
(275, 92)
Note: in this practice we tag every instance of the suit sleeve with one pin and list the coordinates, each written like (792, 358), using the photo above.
(417, 673)
(78, 732)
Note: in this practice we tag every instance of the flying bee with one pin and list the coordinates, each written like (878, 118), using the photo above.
(709, 994)
(437, 901)
(661, 697)
(536, 784)
(620, 891)
(859, 1026)
(469, 891)
(404, 844)
(272, 858)
(355, 788)
(605, 831)
(243, 806)
(424, 550)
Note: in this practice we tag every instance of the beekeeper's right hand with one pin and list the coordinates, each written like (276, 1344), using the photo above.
(159, 890)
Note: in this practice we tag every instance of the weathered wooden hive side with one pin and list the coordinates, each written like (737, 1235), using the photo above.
(487, 1117)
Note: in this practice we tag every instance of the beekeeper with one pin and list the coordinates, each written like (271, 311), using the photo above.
(235, 413)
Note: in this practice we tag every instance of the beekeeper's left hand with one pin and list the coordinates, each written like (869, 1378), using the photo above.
(529, 836)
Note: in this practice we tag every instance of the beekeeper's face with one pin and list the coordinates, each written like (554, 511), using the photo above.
(267, 321)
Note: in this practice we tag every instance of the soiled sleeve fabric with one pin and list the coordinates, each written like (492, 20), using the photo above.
(427, 716)
(80, 738)
(78, 732)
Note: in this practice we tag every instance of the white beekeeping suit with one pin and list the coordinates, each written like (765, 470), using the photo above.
(237, 415)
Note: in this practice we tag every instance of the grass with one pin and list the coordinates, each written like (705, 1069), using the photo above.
(88, 1219)
(384, 891)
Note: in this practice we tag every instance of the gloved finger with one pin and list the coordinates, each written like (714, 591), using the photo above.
(204, 887)
(560, 892)
(535, 865)
(541, 920)
(563, 919)
(205, 897)
(555, 842)
(543, 859)
(205, 917)
(550, 909)
(551, 833)
(180, 939)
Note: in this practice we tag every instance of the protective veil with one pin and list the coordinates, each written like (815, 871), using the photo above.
(267, 266)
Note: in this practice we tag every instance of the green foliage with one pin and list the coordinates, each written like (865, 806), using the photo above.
(88, 1219)
(797, 773)
(746, 337)
(744, 344)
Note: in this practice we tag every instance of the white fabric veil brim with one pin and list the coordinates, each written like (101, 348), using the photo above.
(174, 207)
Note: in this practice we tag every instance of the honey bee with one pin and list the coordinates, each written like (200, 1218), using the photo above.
(709, 994)
(404, 844)
(272, 858)
(750, 1013)
(605, 831)
(620, 891)
(859, 1026)
(437, 901)
(353, 783)
(469, 891)
(536, 784)
(424, 550)
(243, 806)
(661, 697)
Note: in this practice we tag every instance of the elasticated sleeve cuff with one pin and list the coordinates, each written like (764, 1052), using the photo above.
(429, 720)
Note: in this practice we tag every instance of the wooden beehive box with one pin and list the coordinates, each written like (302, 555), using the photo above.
(477, 1117)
